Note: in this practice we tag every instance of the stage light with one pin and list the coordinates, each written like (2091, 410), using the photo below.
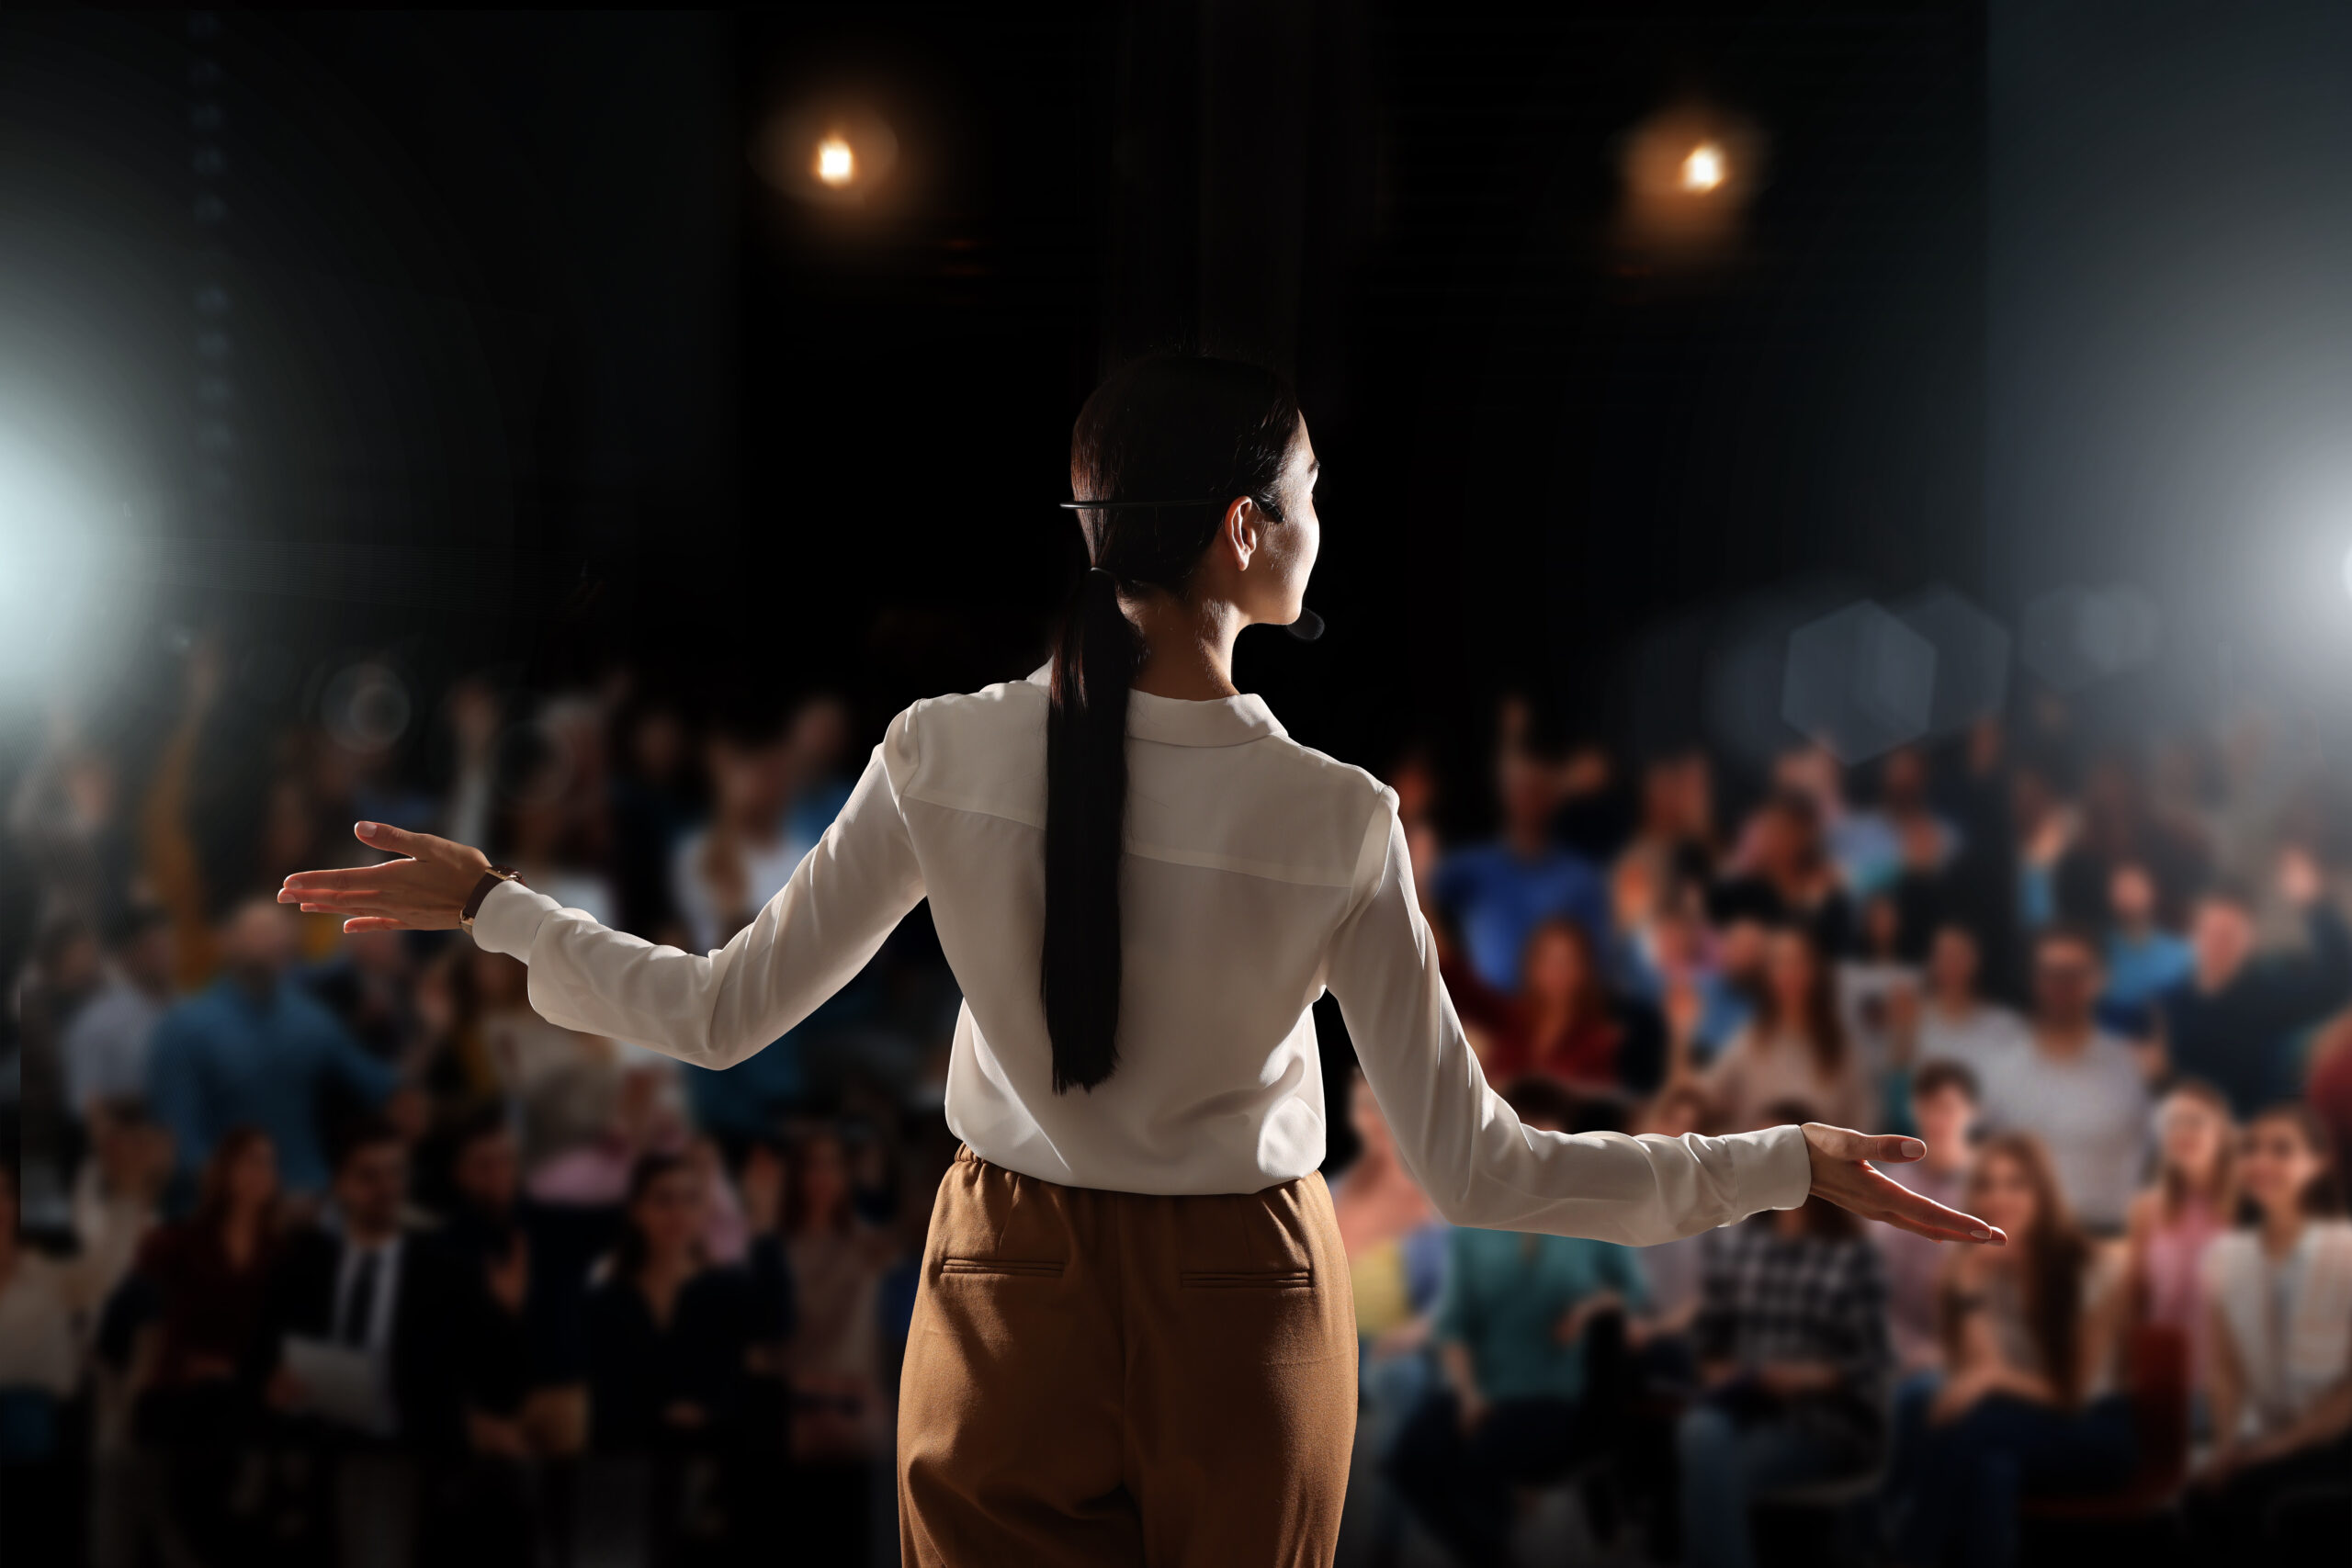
(836, 165)
(1704, 169)
(829, 152)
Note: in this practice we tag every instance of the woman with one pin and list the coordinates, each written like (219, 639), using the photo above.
(665, 1330)
(2170, 1225)
(1133, 1331)
(1788, 1396)
(1795, 1048)
(2279, 1296)
(2026, 1404)
(1395, 1241)
(209, 1277)
(1563, 1024)
(836, 1260)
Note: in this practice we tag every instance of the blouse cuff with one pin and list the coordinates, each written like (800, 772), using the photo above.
(1774, 1166)
(509, 919)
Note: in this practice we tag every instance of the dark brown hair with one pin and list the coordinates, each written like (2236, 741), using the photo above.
(212, 1184)
(1825, 1031)
(1199, 435)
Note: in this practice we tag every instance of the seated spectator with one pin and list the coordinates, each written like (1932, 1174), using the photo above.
(1902, 835)
(1791, 1350)
(1512, 1332)
(1956, 1023)
(666, 1331)
(2233, 1020)
(363, 1342)
(254, 1047)
(1497, 894)
(526, 1295)
(48, 1306)
(2280, 1292)
(2077, 1087)
(1702, 986)
(2177, 1216)
(1877, 991)
(1564, 1023)
(2027, 1404)
(1795, 1049)
(1396, 1245)
(106, 1046)
(369, 984)
(208, 1277)
(836, 1260)
(2144, 959)
(2330, 1092)
(1943, 1108)
(1782, 873)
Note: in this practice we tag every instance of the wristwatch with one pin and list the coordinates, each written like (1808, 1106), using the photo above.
(489, 879)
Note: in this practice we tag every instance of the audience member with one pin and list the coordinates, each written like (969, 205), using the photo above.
(2077, 1087)
(1564, 1023)
(2144, 959)
(1795, 1048)
(208, 1277)
(106, 1046)
(362, 1348)
(1955, 1022)
(1497, 894)
(2176, 1218)
(2027, 1404)
(1792, 1348)
(254, 1048)
(1513, 1331)
(2231, 1022)
(666, 1331)
(1944, 1098)
(1781, 872)
(2279, 1293)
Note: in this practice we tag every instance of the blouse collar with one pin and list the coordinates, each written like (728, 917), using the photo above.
(1178, 721)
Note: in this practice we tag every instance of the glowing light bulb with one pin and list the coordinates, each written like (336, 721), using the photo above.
(836, 165)
(1703, 170)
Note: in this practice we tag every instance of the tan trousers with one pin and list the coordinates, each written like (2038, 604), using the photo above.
(1119, 1377)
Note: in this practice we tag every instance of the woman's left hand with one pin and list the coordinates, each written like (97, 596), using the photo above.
(427, 891)
(1842, 1175)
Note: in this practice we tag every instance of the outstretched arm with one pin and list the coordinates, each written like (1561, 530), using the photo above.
(1482, 1167)
(712, 1010)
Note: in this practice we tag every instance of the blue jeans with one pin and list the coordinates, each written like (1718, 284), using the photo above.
(1956, 1489)
(1724, 1464)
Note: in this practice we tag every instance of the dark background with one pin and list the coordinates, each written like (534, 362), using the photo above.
(531, 367)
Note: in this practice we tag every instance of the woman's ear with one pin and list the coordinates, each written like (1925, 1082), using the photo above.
(1243, 526)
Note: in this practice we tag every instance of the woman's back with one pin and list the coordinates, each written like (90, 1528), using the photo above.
(1245, 850)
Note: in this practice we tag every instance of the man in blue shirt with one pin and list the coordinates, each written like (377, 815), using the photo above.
(2144, 959)
(253, 1048)
(1497, 894)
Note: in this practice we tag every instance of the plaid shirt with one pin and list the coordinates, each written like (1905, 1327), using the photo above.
(1766, 1298)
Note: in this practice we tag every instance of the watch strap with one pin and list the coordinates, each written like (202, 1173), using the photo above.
(489, 879)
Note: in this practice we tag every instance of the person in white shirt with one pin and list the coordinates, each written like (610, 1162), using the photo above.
(1955, 1023)
(2074, 1086)
(1132, 1335)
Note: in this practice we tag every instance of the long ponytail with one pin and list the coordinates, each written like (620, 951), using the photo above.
(1191, 436)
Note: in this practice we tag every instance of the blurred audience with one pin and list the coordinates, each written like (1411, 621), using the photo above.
(667, 1306)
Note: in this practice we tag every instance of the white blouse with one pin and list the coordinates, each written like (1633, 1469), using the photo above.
(1259, 874)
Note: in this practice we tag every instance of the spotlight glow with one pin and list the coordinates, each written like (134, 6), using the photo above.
(836, 165)
(1704, 169)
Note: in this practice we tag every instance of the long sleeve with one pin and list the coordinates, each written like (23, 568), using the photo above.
(1469, 1151)
(716, 1009)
